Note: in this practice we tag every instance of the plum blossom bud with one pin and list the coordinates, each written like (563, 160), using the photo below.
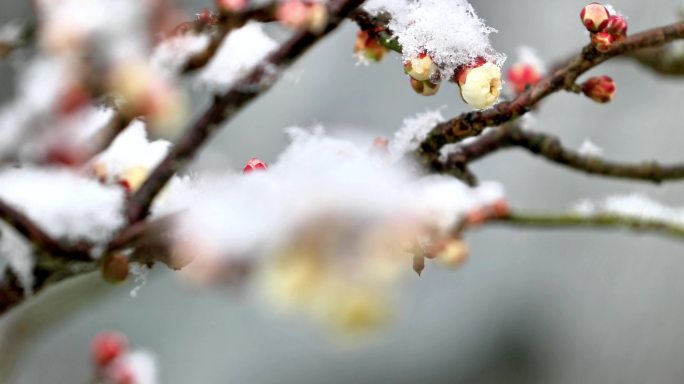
(600, 89)
(106, 347)
(115, 268)
(300, 14)
(522, 75)
(617, 27)
(231, 5)
(480, 84)
(602, 41)
(425, 88)
(254, 164)
(422, 68)
(418, 263)
(452, 253)
(594, 17)
(132, 178)
(367, 47)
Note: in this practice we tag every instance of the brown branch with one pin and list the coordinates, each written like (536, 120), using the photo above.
(551, 148)
(226, 106)
(473, 123)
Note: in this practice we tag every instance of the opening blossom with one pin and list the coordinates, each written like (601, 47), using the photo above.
(480, 84)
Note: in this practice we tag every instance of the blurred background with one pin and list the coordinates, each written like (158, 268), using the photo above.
(530, 306)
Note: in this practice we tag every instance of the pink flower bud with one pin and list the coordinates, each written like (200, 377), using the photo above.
(254, 164)
(368, 47)
(231, 5)
(522, 75)
(106, 347)
(300, 14)
(602, 41)
(600, 89)
(617, 27)
(594, 17)
(422, 68)
(425, 88)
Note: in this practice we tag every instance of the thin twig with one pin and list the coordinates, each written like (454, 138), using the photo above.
(551, 148)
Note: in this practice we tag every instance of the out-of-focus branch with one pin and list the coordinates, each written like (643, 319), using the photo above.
(602, 220)
(473, 123)
(25, 36)
(551, 148)
(227, 105)
(664, 60)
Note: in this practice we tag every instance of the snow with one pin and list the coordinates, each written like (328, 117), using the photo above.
(18, 256)
(634, 205)
(449, 30)
(413, 131)
(132, 149)
(588, 148)
(171, 54)
(237, 56)
(317, 176)
(64, 204)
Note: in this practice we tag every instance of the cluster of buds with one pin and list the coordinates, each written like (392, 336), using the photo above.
(423, 74)
(254, 164)
(309, 15)
(480, 83)
(599, 88)
(522, 75)
(605, 29)
(115, 364)
(367, 47)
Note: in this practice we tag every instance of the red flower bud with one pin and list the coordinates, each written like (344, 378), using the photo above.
(231, 5)
(425, 88)
(522, 75)
(368, 47)
(594, 17)
(602, 41)
(107, 346)
(600, 89)
(254, 164)
(617, 27)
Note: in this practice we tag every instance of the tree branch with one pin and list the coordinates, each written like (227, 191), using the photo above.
(551, 148)
(226, 106)
(473, 123)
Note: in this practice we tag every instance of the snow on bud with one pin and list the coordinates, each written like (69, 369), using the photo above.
(480, 84)
(300, 14)
(368, 48)
(115, 268)
(521, 75)
(254, 164)
(602, 41)
(617, 27)
(600, 89)
(422, 68)
(594, 17)
(231, 5)
(106, 347)
(425, 88)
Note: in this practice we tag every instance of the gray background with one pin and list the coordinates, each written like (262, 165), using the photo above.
(529, 306)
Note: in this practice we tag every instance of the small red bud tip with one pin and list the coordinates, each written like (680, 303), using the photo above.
(254, 164)
(522, 75)
(602, 41)
(106, 347)
(600, 89)
(594, 16)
